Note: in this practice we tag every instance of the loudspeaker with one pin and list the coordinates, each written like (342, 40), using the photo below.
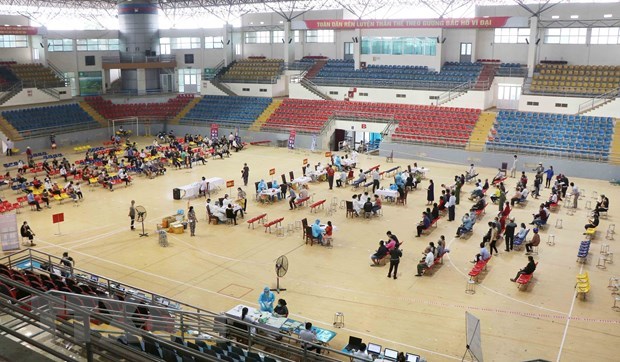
(176, 194)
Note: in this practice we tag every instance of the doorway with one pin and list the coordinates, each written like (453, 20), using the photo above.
(465, 53)
(349, 50)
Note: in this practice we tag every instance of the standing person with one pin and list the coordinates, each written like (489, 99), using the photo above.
(509, 233)
(513, 170)
(458, 183)
(451, 206)
(292, 197)
(549, 173)
(501, 200)
(192, 220)
(430, 193)
(242, 198)
(26, 232)
(53, 141)
(375, 179)
(245, 174)
(29, 155)
(330, 176)
(132, 213)
(575, 193)
(395, 255)
(68, 263)
(9, 147)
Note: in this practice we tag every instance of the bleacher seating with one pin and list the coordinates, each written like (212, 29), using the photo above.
(50, 119)
(416, 123)
(555, 134)
(512, 70)
(7, 78)
(575, 79)
(340, 72)
(240, 111)
(165, 110)
(253, 70)
(36, 75)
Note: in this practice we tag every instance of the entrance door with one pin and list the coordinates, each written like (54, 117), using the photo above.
(349, 49)
(339, 136)
(465, 53)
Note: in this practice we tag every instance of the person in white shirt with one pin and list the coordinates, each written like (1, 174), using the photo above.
(357, 205)
(513, 170)
(451, 205)
(376, 176)
(354, 156)
(78, 190)
(9, 147)
(471, 174)
(202, 189)
(361, 355)
(575, 194)
(426, 262)
(225, 201)
(308, 337)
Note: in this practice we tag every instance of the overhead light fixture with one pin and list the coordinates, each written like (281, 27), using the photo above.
(555, 17)
(262, 22)
(574, 16)
(607, 15)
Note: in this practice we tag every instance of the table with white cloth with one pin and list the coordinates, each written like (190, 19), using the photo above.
(316, 175)
(265, 320)
(193, 189)
(348, 162)
(422, 170)
(269, 194)
(302, 180)
(215, 182)
(387, 193)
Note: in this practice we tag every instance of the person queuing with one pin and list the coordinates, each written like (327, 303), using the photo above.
(395, 255)
(192, 220)
(529, 269)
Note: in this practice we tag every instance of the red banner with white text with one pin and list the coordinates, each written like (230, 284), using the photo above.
(456, 23)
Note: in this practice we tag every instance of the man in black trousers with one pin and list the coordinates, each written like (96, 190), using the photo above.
(330, 176)
(245, 174)
(395, 255)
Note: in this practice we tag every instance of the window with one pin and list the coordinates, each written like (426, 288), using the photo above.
(319, 36)
(401, 96)
(333, 93)
(605, 36)
(363, 94)
(189, 58)
(465, 48)
(60, 45)
(257, 37)
(297, 36)
(433, 97)
(214, 42)
(399, 45)
(13, 41)
(184, 43)
(565, 36)
(561, 105)
(89, 60)
(532, 104)
(277, 36)
(511, 35)
(164, 45)
(90, 45)
(70, 76)
(245, 89)
(262, 89)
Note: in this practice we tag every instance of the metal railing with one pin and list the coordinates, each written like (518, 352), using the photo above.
(206, 122)
(261, 80)
(137, 58)
(390, 83)
(453, 93)
(57, 129)
(312, 87)
(598, 101)
(57, 72)
(216, 70)
(519, 72)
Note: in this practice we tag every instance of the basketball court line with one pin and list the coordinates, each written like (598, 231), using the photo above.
(570, 313)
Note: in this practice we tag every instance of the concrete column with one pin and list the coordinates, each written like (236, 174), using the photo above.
(141, 81)
(357, 48)
(289, 47)
(532, 49)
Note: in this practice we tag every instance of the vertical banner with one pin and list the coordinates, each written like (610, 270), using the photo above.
(291, 139)
(214, 130)
(9, 237)
(313, 146)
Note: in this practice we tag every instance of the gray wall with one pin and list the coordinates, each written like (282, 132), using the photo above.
(584, 169)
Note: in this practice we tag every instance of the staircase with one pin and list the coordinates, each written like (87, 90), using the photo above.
(262, 119)
(614, 150)
(309, 85)
(8, 130)
(11, 92)
(223, 87)
(485, 79)
(480, 133)
(185, 110)
(93, 113)
(315, 69)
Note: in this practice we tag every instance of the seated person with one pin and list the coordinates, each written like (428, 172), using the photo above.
(262, 185)
(435, 212)
(231, 214)
(376, 205)
(485, 186)
(26, 232)
(553, 199)
(281, 310)
(471, 174)
(483, 255)
(441, 247)
(442, 201)
(303, 193)
(218, 211)
(360, 179)
(501, 175)
(342, 179)
(45, 197)
(411, 182)
(496, 195)
(424, 224)
(479, 205)
(467, 225)
(32, 201)
(541, 217)
(379, 254)
(523, 180)
(534, 242)
(593, 221)
(529, 269)
(517, 197)
(367, 206)
(317, 232)
(265, 300)
(426, 262)
(603, 205)
(477, 192)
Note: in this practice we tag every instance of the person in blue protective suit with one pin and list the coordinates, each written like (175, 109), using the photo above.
(262, 185)
(338, 163)
(266, 300)
(317, 232)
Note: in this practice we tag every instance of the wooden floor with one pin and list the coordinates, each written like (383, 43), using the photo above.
(224, 266)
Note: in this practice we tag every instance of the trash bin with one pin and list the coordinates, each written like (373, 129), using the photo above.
(176, 194)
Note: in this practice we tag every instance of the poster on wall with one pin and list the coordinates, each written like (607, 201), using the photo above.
(9, 237)
(291, 139)
(214, 131)
(91, 83)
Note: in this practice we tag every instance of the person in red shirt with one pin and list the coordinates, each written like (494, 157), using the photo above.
(330, 176)
(328, 234)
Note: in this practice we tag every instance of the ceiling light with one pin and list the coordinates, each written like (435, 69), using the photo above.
(555, 17)
(607, 16)
(574, 16)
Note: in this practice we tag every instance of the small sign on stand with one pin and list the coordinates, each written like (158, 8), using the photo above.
(57, 219)
(230, 184)
(272, 171)
(305, 161)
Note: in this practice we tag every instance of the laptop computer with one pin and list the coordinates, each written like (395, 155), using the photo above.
(373, 349)
(390, 354)
(412, 357)
(354, 343)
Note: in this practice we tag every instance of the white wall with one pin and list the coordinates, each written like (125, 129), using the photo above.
(298, 91)
(451, 49)
(34, 96)
(547, 104)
